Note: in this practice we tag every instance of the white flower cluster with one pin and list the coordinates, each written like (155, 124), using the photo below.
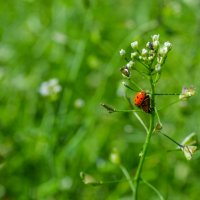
(154, 55)
(50, 88)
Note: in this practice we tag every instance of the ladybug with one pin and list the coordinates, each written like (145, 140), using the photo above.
(142, 100)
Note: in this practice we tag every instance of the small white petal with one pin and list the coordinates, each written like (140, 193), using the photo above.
(130, 64)
(122, 52)
(189, 151)
(158, 67)
(134, 44)
(168, 45)
(144, 51)
(155, 37)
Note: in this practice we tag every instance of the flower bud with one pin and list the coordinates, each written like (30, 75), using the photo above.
(130, 64)
(114, 157)
(134, 44)
(144, 52)
(156, 44)
(163, 51)
(158, 67)
(189, 151)
(187, 92)
(122, 52)
(168, 45)
(155, 37)
(134, 54)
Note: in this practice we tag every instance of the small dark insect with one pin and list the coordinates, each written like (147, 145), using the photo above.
(125, 71)
(150, 44)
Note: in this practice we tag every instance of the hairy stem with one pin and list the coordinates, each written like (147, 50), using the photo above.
(147, 140)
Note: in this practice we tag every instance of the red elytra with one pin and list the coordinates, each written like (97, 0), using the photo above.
(142, 100)
(139, 98)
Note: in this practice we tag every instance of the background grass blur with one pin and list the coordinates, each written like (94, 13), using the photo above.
(45, 145)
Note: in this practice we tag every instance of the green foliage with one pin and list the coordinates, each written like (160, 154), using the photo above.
(45, 144)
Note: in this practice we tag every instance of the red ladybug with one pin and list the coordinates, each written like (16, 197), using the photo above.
(142, 100)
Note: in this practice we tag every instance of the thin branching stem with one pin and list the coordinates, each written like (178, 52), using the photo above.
(154, 189)
(128, 178)
(141, 121)
(147, 141)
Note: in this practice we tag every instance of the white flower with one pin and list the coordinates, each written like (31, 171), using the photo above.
(148, 44)
(150, 58)
(189, 151)
(189, 145)
(79, 103)
(156, 44)
(187, 92)
(158, 67)
(155, 37)
(114, 157)
(163, 50)
(168, 45)
(134, 54)
(88, 179)
(122, 52)
(50, 88)
(130, 64)
(144, 51)
(134, 44)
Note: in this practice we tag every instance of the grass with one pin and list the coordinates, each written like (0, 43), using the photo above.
(45, 145)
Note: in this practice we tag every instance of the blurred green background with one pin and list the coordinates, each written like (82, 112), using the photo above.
(45, 144)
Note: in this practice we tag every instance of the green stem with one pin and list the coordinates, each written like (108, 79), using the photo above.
(147, 141)
(141, 121)
(154, 189)
(126, 174)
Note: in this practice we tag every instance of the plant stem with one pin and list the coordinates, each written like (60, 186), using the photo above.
(126, 174)
(147, 141)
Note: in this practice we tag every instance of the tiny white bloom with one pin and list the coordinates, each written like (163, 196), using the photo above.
(189, 151)
(50, 88)
(155, 37)
(187, 92)
(158, 67)
(122, 52)
(79, 103)
(115, 157)
(150, 58)
(144, 52)
(43, 90)
(134, 44)
(148, 44)
(163, 50)
(130, 64)
(134, 54)
(168, 45)
(144, 58)
(53, 82)
(141, 154)
(156, 44)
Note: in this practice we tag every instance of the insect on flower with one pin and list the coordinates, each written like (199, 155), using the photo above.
(142, 100)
